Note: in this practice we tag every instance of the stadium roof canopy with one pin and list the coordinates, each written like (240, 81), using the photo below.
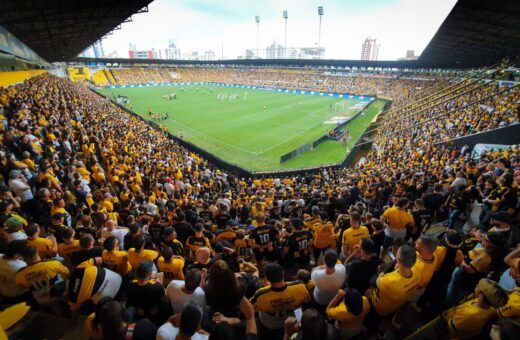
(476, 33)
(58, 30)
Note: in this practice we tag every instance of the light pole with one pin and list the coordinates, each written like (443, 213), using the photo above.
(320, 13)
(257, 20)
(285, 16)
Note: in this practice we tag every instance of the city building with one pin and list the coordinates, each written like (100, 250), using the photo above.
(274, 51)
(98, 49)
(370, 49)
(172, 52)
(250, 54)
(209, 55)
(134, 53)
(410, 55)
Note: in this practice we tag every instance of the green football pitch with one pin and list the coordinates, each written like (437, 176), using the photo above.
(255, 129)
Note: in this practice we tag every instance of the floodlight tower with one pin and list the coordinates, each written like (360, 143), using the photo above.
(257, 20)
(285, 16)
(320, 14)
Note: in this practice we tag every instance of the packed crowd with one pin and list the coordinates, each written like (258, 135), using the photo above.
(107, 217)
(397, 89)
(139, 75)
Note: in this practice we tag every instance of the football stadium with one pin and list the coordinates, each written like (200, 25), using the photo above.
(260, 170)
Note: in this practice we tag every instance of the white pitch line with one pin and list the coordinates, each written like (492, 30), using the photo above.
(215, 139)
(288, 139)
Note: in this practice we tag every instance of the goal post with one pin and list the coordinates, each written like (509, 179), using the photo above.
(341, 107)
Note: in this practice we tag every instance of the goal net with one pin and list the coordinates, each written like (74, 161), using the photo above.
(341, 107)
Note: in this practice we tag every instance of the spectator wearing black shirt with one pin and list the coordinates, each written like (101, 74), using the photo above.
(378, 234)
(362, 265)
(155, 230)
(422, 218)
(222, 216)
(433, 201)
(182, 228)
(145, 295)
(88, 251)
(57, 228)
(297, 250)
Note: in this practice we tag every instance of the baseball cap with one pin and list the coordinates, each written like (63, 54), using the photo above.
(144, 269)
(12, 222)
(495, 294)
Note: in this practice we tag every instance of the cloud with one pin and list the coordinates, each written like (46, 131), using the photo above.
(199, 25)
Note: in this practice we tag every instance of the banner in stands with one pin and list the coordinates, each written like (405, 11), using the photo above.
(252, 87)
(11, 45)
(480, 149)
(79, 73)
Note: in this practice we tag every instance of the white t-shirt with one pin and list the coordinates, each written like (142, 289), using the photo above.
(327, 285)
(178, 298)
(169, 332)
(20, 189)
(8, 269)
(117, 233)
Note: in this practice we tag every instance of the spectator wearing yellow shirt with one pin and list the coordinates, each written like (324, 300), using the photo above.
(138, 254)
(468, 319)
(170, 265)
(353, 235)
(114, 258)
(349, 309)
(47, 247)
(398, 219)
(393, 289)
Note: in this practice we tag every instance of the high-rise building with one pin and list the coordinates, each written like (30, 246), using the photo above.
(133, 53)
(209, 55)
(274, 51)
(410, 55)
(172, 52)
(370, 49)
(98, 49)
(250, 54)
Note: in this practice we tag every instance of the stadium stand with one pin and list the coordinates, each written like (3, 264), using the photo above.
(108, 220)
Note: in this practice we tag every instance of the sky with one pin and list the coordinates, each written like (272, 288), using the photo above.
(201, 25)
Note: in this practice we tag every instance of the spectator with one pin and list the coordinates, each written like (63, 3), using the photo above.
(327, 279)
(278, 290)
(362, 266)
(349, 310)
(145, 295)
(180, 292)
(188, 325)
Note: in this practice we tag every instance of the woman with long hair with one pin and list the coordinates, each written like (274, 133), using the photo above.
(226, 302)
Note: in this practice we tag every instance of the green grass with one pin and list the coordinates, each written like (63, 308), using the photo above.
(241, 131)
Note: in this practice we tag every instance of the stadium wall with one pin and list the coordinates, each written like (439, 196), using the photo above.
(507, 135)
(15, 77)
